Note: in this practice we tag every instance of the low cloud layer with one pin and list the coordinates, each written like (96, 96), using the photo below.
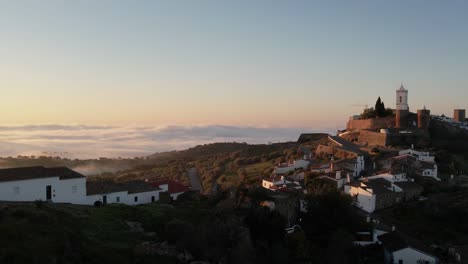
(79, 141)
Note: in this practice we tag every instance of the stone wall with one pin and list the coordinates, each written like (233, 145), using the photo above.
(371, 123)
(351, 136)
(373, 138)
(419, 138)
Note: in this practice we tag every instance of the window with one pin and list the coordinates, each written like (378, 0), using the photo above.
(74, 189)
(117, 199)
(400, 261)
(401, 100)
(136, 199)
(16, 190)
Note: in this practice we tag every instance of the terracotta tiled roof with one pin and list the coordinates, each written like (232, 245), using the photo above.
(173, 186)
(379, 185)
(103, 187)
(408, 185)
(37, 172)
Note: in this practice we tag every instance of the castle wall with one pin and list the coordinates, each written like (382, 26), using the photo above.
(371, 123)
(373, 138)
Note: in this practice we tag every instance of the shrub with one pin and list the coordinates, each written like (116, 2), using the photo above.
(39, 204)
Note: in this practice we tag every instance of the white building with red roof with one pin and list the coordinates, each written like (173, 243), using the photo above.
(172, 187)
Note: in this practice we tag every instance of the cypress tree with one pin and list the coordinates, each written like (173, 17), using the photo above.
(379, 108)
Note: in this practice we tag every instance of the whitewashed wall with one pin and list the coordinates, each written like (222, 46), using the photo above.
(365, 200)
(70, 191)
(422, 156)
(111, 198)
(143, 198)
(27, 190)
(125, 197)
(360, 166)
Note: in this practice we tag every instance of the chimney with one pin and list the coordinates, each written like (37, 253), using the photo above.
(348, 178)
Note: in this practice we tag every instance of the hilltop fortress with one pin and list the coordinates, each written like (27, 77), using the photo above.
(399, 127)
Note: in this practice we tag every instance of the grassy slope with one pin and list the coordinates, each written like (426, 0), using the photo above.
(224, 164)
(80, 234)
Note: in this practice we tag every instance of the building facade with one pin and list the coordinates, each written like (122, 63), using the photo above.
(63, 185)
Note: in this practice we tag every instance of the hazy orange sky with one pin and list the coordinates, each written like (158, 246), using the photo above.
(257, 63)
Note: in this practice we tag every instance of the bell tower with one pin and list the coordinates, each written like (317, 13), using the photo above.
(402, 109)
(402, 98)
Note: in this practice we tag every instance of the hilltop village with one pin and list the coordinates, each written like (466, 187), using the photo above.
(376, 181)
(382, 159)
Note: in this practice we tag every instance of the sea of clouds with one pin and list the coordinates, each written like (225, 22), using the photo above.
(82, 141)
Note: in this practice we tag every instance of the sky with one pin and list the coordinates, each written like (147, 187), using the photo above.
(246, 64)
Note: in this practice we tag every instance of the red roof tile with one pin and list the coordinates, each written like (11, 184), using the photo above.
(173, 186)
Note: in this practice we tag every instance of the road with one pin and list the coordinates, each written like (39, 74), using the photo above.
(194, 179)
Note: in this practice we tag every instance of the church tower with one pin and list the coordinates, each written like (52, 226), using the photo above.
(402, 99)
(402, 109)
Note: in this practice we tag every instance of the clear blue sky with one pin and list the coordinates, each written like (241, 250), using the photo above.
(273, 63)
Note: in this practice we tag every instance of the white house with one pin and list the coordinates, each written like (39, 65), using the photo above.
(356, 166)
(280, 182)
(427, 169)
(174, 188)
(381, 191)
(130, 193)
(285, 168)
(400, 177)
(420, 165)
(365, 196)
(339, 178)
(63, 185)
(420, 155)
(321, 168)
(399, 250)
(60, 185)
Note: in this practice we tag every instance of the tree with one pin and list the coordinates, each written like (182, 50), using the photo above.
(368, 113)
(379, 108)
(327, 212)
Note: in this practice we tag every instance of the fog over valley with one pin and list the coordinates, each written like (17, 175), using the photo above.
(82, 141)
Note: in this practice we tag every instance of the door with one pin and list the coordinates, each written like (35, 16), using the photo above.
(104, 199)
(48, 192)
(152, 199)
